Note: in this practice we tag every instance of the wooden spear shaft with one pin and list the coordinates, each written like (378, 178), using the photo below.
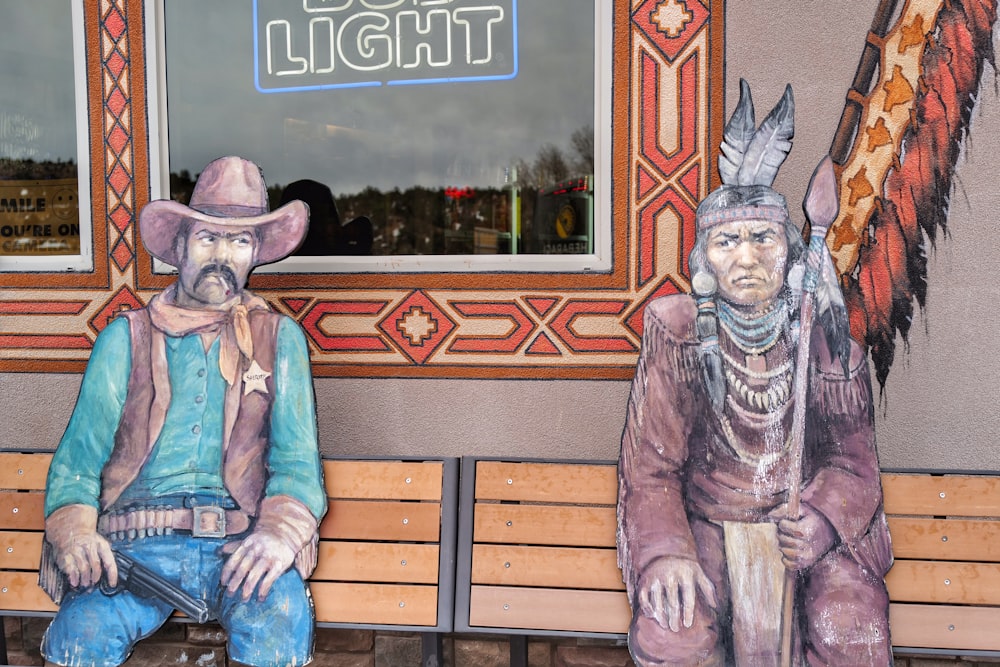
(795, 466)
(822, 205)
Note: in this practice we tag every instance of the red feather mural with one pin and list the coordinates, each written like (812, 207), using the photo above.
(899, 139)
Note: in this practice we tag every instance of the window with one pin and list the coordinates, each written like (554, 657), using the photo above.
(426, 135)
(44, 202)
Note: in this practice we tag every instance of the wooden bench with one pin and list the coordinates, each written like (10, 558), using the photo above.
(386, 555)
(537, 556)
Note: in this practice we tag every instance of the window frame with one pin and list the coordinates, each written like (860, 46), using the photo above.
(84, 261)
(601, 261)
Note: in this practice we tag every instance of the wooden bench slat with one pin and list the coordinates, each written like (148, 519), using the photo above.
(376, 520)
(549, 609)
(20, 550)
(19, 591)
(22, 511)
(384, 480)
(346, 561)
(554, 525)
(508, 565)
(382, 604)
(944, 582)
(941, 495)
(571, 483)
(945, 539)
(377, 562)
(24, 471)
(947, 627)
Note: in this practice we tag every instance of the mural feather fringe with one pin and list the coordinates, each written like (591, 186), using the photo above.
(891, 273)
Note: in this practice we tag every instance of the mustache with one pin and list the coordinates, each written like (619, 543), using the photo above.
(224, 271)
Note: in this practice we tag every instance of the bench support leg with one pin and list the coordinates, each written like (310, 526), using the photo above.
(519, 651)
(430, 646)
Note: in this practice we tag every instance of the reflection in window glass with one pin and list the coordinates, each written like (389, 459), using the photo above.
(411, 128)
(39, 191)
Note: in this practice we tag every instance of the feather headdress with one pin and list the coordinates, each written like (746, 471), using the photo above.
(752, 155)
(748, 163)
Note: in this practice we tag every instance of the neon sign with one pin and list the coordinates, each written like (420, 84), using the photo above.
(317, 44)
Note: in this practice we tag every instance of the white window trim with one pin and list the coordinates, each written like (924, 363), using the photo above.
(599, 261)
(83, 262)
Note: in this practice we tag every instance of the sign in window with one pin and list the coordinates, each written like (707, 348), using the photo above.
(343, 43)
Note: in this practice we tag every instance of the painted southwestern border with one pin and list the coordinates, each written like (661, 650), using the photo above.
(667, 118)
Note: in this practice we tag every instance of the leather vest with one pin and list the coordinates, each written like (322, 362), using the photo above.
(243, 459)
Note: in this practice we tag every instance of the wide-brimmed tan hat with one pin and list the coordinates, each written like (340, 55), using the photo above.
(230, 192)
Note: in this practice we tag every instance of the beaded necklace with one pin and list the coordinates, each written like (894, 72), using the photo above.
(754, 334)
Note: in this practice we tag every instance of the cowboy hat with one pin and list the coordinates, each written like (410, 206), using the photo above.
(229, 192)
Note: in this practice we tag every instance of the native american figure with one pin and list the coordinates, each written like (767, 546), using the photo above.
(751, 528)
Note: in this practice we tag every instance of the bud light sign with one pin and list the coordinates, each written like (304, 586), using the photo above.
(316, 44)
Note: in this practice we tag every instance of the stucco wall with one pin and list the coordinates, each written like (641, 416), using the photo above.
(938, 408)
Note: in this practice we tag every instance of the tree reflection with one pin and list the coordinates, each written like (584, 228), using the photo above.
(456, 219)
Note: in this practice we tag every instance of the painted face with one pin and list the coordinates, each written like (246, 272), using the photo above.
(216, 264)
(748, 258)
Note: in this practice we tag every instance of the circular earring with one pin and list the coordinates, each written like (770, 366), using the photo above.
(703, 284)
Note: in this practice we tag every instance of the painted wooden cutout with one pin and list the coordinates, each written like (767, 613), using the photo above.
(751, 529)
(189, 476)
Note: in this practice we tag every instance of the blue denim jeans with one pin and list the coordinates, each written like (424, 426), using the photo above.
(93, 628)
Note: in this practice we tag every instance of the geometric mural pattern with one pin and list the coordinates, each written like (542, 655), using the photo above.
(667, 119)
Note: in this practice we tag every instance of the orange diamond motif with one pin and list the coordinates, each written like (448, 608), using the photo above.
(418, 326)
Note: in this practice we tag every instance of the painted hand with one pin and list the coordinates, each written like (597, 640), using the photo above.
(804, 540)
(668, 591)
(284, 526)
(80, 552)
(259, 559)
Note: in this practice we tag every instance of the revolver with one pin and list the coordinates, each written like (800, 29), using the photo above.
(142, 581)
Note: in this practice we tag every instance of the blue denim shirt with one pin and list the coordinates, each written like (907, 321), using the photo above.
(187, 456)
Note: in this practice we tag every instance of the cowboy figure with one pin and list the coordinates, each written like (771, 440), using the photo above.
(707, 535)
(192, 449)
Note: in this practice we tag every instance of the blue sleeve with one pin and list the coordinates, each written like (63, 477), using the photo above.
(294, 464)
(75, 473)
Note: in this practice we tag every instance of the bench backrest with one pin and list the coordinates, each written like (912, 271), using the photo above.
(386, 554)
(387, 544)
(945, 582)
(22, 522)
(537, 549)
(537, 554)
